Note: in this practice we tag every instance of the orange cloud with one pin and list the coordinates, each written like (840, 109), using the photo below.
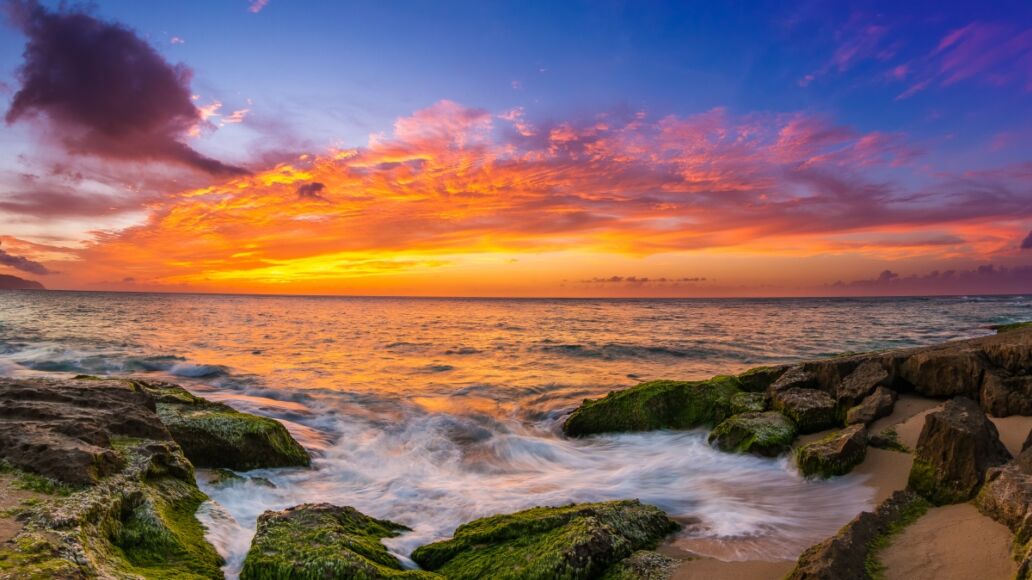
(452, 186)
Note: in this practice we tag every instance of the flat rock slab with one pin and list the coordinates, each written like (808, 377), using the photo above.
(950, 543)
(810, 409)
(62, 428)
(834, 454)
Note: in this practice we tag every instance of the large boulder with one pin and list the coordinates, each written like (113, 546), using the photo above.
(656, 405)
(846, 555)
(749, 402)
(323, 541)
(945, 371)
(860, 383)
(217, 435)
(812, 410)
(1004, 393)
(132, 518)
(572, 542)
(759, 379)
(835, 454)
(768, 434)
(797, 377)
(1006, 495)
(876, 405)
(957, 445)
(62, 428)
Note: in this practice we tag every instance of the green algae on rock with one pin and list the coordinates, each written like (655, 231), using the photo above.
(571, 542)
(137, 523)
(656, 405)
(323, 541)
(768, 434)
(642, 565)
(957, 445)
(1001, 328)
(810, 409)
(216, 435)
(749, 402)
(834, 454)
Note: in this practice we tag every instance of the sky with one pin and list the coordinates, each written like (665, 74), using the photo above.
(518, 148)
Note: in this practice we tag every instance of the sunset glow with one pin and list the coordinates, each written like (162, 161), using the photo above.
(452, 198)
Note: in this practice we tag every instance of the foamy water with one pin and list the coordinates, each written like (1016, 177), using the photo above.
(435, 412)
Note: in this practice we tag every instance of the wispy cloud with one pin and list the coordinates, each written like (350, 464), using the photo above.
(256, 6)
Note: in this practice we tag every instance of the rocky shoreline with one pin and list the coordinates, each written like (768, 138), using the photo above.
(97, 475)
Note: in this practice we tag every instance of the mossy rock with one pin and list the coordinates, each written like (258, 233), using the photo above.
(768, 434)
(834, 454)
(572, 542)
(643, 565)
(1001, 328)
(757, 379)
(216, 435)
(749, 403)
(812, 410)
(323, 541)
(138, 523)
(656, 405)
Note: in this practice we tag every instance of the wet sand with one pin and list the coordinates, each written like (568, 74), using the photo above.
(710, 569)
(950, 543)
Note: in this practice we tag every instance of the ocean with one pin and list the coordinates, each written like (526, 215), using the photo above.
(433, 412)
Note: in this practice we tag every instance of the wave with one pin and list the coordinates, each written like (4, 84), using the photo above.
(614, 351)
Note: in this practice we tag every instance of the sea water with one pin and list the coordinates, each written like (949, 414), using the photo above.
(434, 412)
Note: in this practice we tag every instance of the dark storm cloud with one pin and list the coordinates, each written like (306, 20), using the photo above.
(1026, 244)
(104, 90)
(23, 264)
(311, 190)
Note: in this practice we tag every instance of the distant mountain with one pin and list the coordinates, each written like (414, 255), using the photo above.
(15, 283)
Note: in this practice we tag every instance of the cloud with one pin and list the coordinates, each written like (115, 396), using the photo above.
(1026, 244)
(643, 280)
(456, 180)
(23, 264)
(256, 6)
(993, 53)
(103, 91)
(311, 191)
(984, 279)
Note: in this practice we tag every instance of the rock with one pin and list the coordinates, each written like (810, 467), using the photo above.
(63, 428)
(1004, 394)
(323, 541)
(860, 383)
(1001, 328)
(136, 523)
(643, 565)
(656, 405)
(796, 377)
(1006, 495)
(768, 434)
(748, 403)
(875, 406)
(956, 446)
(216, 435)
(944, 372)
(759, 379)
(835, 454)
(812, 410)
(887, 439)
(1027, 443)
(574, 542)
(845, 555)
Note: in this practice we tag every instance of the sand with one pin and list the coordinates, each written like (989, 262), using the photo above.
(709, 569)
(1013, 431)
(950, 543)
